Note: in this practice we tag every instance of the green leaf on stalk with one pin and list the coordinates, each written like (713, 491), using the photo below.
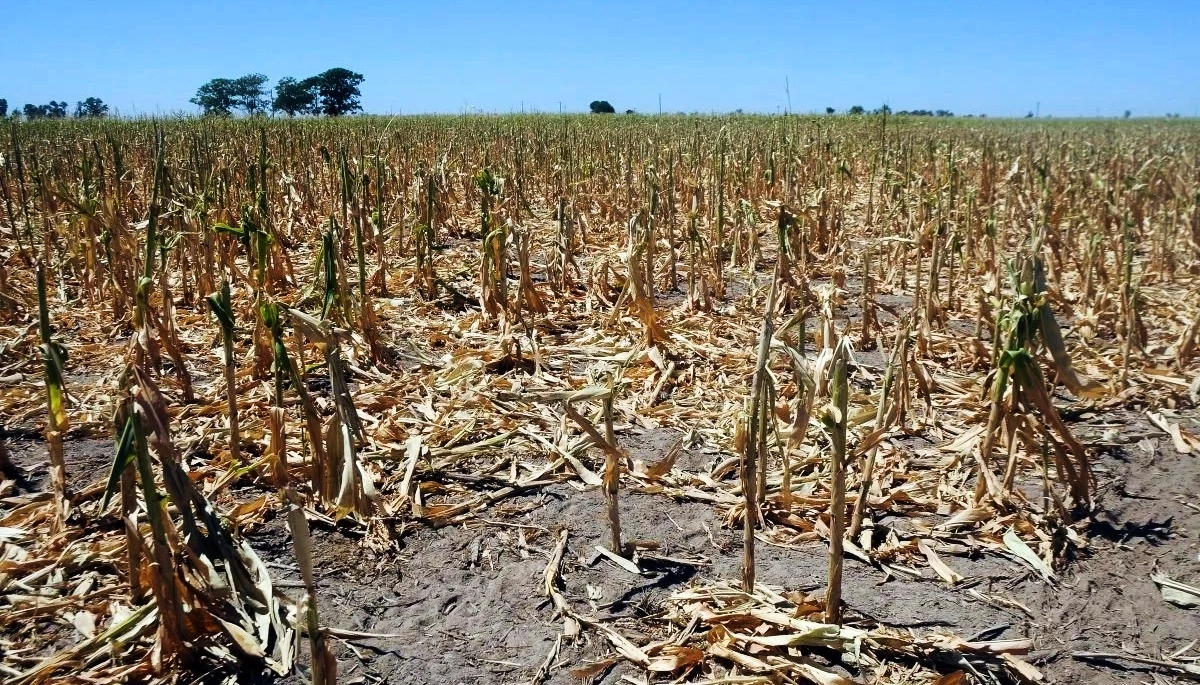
(231, 230)
(221, 306)
(120, 462)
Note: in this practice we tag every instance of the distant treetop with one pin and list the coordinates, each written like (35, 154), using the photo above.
(91, 108)
(50, 110)
(338, 90)
(602, 107)
(216, 98)
(924, 113)
(294, 97)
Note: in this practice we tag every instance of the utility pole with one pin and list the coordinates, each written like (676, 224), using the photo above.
(660, 103)
(787, 89)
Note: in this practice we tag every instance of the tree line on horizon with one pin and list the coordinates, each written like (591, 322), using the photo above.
(91, 108)
(335, 92)
(604, 107)
(331, 93)
(884, 109)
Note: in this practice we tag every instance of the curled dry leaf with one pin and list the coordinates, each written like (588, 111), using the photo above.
(1177, 593)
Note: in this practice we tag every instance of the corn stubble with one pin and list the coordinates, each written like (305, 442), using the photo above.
(419, 318)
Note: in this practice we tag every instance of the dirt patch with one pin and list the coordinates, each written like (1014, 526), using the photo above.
(87, 461)
(1148, 521)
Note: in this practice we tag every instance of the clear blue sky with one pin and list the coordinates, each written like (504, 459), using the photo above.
(1002, 58)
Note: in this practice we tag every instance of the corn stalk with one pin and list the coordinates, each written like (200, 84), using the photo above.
(54, 361)
(758, 427)
(284, 370)
(1016, 365)
(345, 481)
(324, 665)
(835, 421)
(221, 305)
(216, 584)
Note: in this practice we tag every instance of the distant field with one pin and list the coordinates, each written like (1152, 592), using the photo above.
(550, 398)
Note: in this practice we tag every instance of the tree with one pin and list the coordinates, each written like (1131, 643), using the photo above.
(51, 110)
(296, 97)
(1128, 114)
(601, 107)
(91, 108)
(1029, 116)
(220, 96)
(338, 91)
(883, 109)
(249, 94)
(3, 107)
(217, 97)
(857, 109)
(830, 110)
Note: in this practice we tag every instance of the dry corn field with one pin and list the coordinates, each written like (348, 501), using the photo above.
(600, 399)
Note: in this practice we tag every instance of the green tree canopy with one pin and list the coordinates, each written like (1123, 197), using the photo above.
(216, 97)
(296, 97)
(332, 93)
(91, 108)
(338, 91)
(249, 93)
(3, 107)
(51, 110)
(220, 96)
(601, 107)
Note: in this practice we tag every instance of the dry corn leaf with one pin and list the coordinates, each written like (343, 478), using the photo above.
(1177, 593)
(935, 562)
(821, 676)
(244, 641)
(1018, 547)
(1024, 669)
(84, 622)
(675, 657)
(595, 668)
(1184, 444)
